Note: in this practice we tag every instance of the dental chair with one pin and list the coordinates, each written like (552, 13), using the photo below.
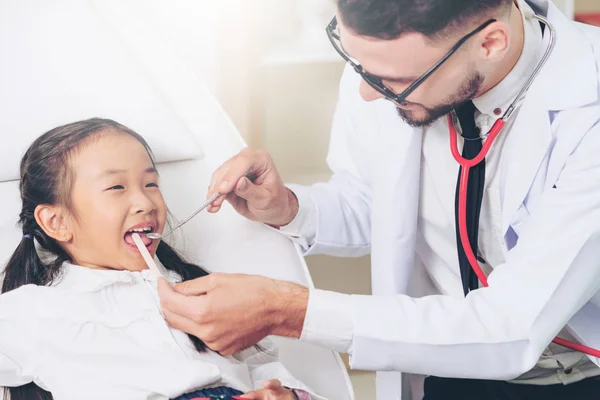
(71, 60)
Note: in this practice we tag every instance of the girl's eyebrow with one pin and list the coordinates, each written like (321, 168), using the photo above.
(109, 172)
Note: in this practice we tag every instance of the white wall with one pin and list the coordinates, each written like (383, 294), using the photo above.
(587, 5)
(189, 26)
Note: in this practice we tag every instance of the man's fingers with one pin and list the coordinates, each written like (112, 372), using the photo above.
(166, 290)
(249, 191)
(180, 304)
(195, 287)
(241, 206)
(272, 384)
(246, 163)
(225, 189)
(181, 323)
(163, 285)
(213, 187)
(225, 178)
(218, 202)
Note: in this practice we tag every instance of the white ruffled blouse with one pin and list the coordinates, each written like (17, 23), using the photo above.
(97, 334)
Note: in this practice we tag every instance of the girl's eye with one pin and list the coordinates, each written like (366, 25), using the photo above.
(116, 187)
(152, 185)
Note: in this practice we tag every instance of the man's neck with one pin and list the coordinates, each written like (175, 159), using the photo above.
(514, 52)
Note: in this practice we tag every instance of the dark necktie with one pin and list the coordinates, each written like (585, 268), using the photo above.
(472, 147)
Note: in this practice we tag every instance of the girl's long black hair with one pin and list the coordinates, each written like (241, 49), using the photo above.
(46, 178)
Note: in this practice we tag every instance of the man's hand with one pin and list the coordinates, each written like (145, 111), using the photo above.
(233, 312)
(262, 198)
(272, 391)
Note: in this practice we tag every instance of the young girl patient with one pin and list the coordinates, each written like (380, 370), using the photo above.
(80, 315)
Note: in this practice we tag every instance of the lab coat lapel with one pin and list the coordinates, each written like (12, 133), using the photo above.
(395, 205)
(526, 146)
(531, 136)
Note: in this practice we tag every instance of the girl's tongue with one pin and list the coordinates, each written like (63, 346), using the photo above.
(129, 239)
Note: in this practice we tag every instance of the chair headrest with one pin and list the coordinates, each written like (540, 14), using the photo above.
(58, 69)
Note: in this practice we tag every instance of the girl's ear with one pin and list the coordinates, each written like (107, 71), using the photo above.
(54, 222)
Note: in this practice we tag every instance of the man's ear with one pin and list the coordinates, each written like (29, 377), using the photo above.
(495, 41)
(54, 221)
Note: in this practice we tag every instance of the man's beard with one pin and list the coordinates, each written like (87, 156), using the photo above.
(466, 92)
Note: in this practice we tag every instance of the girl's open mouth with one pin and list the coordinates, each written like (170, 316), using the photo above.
(142, 232)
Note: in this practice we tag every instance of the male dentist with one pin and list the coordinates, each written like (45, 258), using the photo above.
(475, 269)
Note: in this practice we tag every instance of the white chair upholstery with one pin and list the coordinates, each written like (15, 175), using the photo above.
(72, 60)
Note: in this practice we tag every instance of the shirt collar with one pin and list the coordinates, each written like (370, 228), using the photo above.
(82, 279)
(500, 96)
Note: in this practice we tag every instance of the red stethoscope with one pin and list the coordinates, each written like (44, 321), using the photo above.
(468, 164)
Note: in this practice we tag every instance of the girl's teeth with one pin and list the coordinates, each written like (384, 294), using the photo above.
(141, 230)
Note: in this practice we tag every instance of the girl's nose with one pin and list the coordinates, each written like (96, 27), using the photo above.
(142, 204)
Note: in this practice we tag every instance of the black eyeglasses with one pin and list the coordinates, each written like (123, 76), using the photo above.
(376, 82)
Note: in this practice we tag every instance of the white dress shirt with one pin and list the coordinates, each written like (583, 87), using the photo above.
(329, 315)
(99, 334)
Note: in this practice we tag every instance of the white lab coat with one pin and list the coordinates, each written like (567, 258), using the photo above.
(371, 206)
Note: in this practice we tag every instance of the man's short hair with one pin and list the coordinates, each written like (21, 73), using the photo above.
(388, 19)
